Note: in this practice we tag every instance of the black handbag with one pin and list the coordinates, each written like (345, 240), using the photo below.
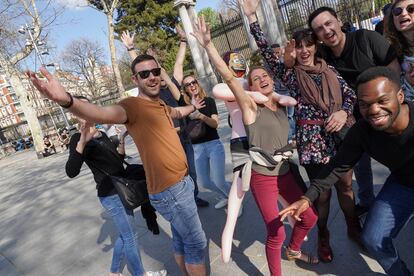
(196, 129)
(131, 189)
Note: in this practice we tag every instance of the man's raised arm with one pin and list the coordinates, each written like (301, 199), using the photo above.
(53, 90)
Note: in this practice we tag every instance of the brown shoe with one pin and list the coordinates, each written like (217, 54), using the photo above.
(324, 248)
(292, 255)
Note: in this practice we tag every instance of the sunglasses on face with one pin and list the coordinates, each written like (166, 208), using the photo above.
(399, 10)
(188, 84)
(146, 73)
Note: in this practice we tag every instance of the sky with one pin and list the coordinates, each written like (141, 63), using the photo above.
(78, 22)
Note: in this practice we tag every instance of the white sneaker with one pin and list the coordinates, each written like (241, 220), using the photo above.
(157, 273)
(222, 203)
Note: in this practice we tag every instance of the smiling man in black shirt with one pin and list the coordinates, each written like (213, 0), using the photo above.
(386, 133)
(351, 54)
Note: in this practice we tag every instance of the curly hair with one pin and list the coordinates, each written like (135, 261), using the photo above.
(396, 38)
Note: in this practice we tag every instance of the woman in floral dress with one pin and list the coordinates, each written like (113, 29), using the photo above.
(323, 113)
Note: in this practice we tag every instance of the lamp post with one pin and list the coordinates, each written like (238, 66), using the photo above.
(40, 49)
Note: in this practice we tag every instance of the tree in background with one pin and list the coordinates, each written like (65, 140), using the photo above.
(84, 59)
(13, 50)
(153, 22)
(211, 17)
(229, 8)
(108, 7)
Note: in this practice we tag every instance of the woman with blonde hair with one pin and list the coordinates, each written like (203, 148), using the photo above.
(209, 153)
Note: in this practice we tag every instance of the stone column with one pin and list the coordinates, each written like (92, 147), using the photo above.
(196, 52)
(250, 38)
(210, 76)
(274, 32)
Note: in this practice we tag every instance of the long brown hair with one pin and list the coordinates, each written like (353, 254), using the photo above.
(395, 37)
(187, 97)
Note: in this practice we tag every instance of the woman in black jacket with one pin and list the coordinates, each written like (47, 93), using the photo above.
(95, 149)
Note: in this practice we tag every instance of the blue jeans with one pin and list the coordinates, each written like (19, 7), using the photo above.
(210, 162)
(363, 175)
(177, 205)
(292, 123)
(126, 243)
(391, 210)
(189, 152)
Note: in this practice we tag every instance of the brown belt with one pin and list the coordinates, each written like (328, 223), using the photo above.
(310, 122)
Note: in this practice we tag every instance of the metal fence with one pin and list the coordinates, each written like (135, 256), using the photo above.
(358, 12)
(230, 35)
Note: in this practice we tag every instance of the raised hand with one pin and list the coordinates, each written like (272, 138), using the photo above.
(87, 132)
(202, 32)
(249, 6)
(127, 39)
(295, 209)
(152, 52)
(180, 32)
(290, 54)
(198, 104)
(51, 88)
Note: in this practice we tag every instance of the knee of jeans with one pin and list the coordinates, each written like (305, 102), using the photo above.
(372, 241)
(178, 247)
(129, 240)
(195, 251)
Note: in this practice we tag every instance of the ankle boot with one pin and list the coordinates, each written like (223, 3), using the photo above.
(324, 248)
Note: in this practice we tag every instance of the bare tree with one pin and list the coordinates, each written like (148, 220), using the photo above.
(84, 58)
(13, 50)
(229, 8)
(108, 7)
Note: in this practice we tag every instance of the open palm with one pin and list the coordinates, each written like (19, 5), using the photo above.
(127, 39)
(202, 32)
(249, 6)
(180, 32)
(51, 88)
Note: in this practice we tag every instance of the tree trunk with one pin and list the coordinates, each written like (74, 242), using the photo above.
(29, 112)
(115, 67)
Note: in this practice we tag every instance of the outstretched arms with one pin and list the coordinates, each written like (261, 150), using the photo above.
(182, 111)
(53, 90)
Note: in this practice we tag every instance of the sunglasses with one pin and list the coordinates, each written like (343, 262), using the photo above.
(399, 10)
(188, 84)
(146, 73)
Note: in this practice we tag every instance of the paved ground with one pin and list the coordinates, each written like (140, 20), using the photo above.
(53, 225)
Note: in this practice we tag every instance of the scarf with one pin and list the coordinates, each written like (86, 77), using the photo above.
(330, 98)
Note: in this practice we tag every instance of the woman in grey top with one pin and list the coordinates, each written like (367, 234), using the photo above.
(267, 128)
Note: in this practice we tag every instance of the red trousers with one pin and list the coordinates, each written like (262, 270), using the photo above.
(266, 190)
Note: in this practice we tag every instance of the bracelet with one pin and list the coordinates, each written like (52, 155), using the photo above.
(131, 49)
(70, 103)
(307, 199)
(183, 40)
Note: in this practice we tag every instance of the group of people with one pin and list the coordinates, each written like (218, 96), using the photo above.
(351, 96)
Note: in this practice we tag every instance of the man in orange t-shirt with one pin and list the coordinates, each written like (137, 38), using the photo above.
(149, 122)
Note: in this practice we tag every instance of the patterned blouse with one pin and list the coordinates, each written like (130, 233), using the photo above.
(314, 144)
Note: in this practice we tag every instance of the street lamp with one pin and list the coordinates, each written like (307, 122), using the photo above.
(40, 52)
